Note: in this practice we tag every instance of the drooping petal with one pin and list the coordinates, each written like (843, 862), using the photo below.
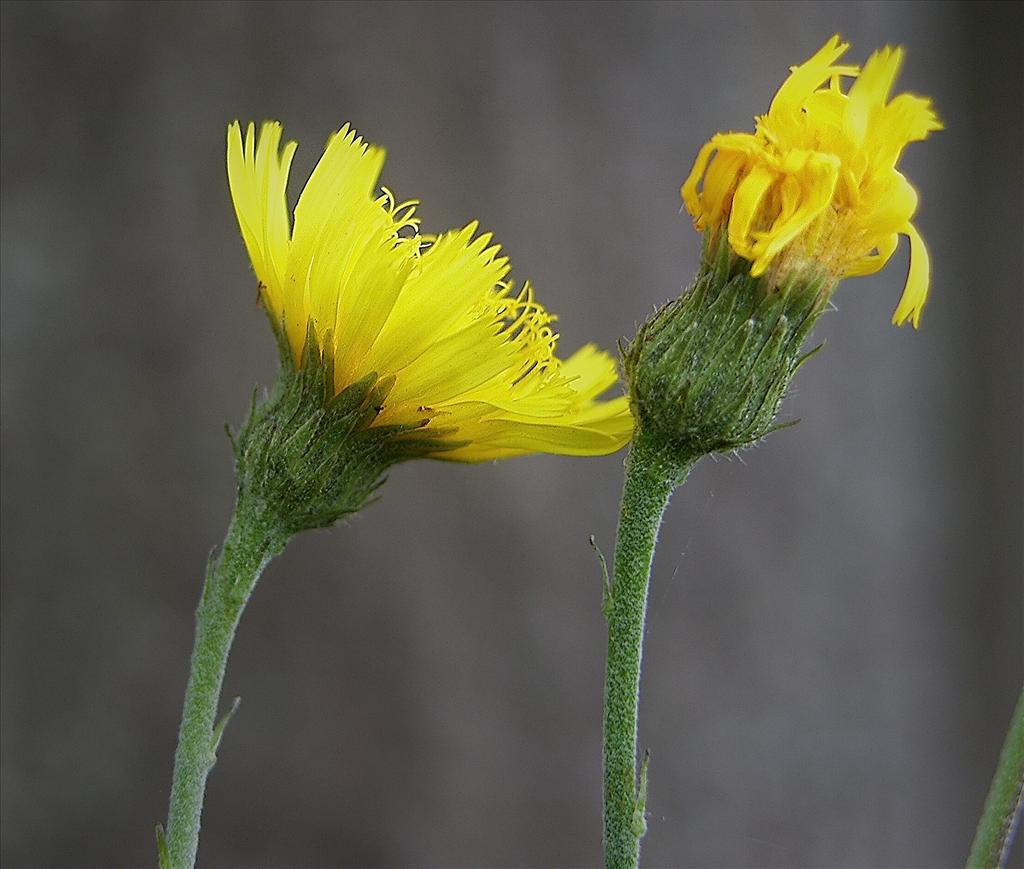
(817, 179)
(915, 293)
(747, 205)
(691, 197)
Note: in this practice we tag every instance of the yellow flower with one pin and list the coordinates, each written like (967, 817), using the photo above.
(815, 187)
(467, 352)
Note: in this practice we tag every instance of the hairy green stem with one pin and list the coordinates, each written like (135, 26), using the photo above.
(250, 543)
(1001, 815)
(649, 483)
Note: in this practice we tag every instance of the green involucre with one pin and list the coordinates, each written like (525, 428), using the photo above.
(312, 457)
(708, 371)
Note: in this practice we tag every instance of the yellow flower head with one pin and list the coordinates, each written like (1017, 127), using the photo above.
(467, 352)
(816, 185)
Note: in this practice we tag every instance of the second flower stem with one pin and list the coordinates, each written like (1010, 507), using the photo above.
(649, 483)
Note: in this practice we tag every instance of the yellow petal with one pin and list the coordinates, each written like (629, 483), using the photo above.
(915, 293)
(258, 178)
(808, 77)
(691, 198)
(870, 91)
(590, 371)
(746, 205)
(868, 265)
(817, 182)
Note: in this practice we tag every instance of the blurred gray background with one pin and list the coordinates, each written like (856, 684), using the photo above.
(835, 636)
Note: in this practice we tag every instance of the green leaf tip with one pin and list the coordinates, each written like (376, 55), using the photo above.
(640, 807)
(163, 853)
(606, 583)
(218, 731)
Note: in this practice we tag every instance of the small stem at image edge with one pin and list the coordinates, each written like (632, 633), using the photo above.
(1001, 815)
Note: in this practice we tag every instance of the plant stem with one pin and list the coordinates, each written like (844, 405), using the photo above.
(1001, 815)
(649, 483)
(250, 543)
